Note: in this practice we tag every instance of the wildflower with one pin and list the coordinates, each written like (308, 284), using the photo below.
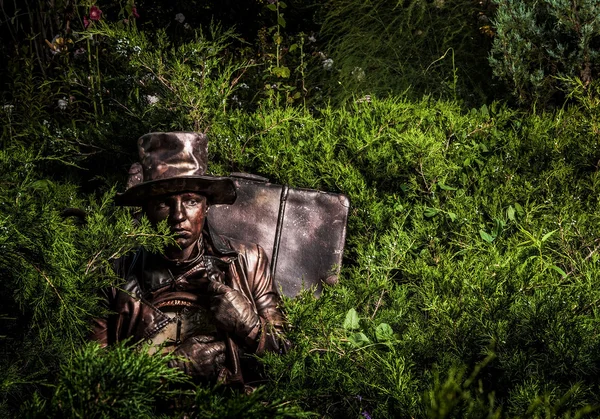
(365, 98)
(8, 108)
(328, 64)
(312, 38)
(86, 22)
(187, 26)
(79, 52)
(236, 100)
(152, 99)
(95, 13)
(359, 73)
(62, 104)
(244, 86)
(134, 12)
(366, 415)
(179, 17)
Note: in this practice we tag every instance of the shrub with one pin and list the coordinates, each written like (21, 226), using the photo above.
(413, 47)
(541, 47)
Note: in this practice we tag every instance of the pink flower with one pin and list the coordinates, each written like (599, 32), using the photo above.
(134, 12)
(95, 13)
(86, 22)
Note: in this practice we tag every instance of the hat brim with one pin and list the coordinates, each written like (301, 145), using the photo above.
(217, 190)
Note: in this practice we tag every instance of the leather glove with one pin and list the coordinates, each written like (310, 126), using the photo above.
(232, 310)
(201, 359)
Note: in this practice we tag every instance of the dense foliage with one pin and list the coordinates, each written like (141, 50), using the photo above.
(546, 48)
(470, 285)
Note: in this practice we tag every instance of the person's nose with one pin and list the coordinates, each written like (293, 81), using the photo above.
(178, 214)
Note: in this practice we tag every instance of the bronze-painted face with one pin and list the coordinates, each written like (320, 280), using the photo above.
(185, 213)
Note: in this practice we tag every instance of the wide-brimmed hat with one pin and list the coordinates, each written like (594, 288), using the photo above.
(174, 162)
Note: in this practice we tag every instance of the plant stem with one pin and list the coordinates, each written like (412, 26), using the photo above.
(91, 79)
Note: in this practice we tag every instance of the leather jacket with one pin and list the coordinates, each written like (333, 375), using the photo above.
(153, 285)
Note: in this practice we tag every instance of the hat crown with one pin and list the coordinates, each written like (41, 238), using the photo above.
(174, 162)
(166, 155)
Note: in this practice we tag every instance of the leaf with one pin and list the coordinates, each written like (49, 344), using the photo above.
(511, 213)
(560, 271)
(484, 110)
(272, 7)
(358, 339)
(431, 212)
(384, 333)
(498, 226)
(520, 210)
(487, 237)
(352, 321)
(446, 187)
(293, 47)
(282, 72)
(41, 185)
(281, 21)
(282, 5)
(452, 216)
(548, 235)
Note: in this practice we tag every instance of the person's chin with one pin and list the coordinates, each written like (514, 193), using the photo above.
(183, 242)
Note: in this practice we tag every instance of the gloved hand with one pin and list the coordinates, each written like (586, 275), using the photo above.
(232, 310)
(201, 359)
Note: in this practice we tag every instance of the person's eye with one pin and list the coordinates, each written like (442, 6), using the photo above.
(161, 205)
(191, 202)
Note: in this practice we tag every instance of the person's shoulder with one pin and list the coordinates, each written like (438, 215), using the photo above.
(122, 264)
(241, 246)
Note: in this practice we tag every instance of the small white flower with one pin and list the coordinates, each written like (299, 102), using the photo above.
(152, 99)
(312, 38)
(187, 26)
(179, 17)
(328, 64)
(236, 100)
(137, 49)
(359, 73)
(8, 108)
(62, 104)
(244, 86)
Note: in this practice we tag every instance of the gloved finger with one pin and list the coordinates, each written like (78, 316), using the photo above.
(215, 287)
(218, 347)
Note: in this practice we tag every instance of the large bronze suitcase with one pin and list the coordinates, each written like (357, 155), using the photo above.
(302, 230)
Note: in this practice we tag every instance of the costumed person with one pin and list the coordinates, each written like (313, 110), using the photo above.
(209, 300)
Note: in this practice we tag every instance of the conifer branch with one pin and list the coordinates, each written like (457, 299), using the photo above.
(49, 282)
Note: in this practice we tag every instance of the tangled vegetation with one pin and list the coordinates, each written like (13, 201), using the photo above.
(470, 285)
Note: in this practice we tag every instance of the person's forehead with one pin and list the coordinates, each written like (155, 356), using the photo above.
(182, 195)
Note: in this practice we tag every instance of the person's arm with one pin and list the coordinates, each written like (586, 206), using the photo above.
(261, 330)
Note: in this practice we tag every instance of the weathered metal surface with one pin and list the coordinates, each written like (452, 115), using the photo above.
(303, 231)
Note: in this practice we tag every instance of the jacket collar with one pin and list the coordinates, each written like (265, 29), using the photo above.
(219, 246)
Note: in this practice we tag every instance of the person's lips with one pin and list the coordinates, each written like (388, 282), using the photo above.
(181, 232)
